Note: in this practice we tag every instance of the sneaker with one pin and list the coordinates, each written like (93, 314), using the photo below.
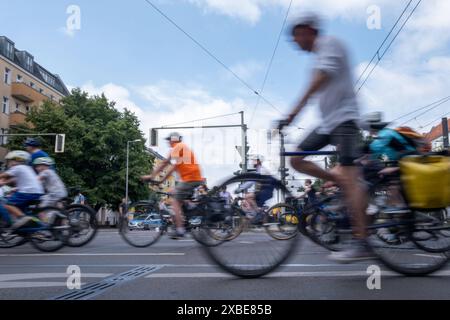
(21, 222)
(359, 252)
(176, 234)
(387, 236)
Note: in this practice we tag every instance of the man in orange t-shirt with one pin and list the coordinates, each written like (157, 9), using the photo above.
(182, 160)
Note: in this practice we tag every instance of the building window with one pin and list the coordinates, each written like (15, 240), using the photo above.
(41, 90)
(5, 105)
(7, 76)
(52, 97)
(9, 50)
(32, 84)
(28, 62)
(27, 108)
(17, 107)
(3, 139)
(19, 78)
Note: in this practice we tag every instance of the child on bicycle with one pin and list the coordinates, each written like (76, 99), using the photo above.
(28, 186)
(55, 190)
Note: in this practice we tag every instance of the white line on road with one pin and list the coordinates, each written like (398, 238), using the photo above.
(90, 254)
(323, 274)
(29, 276)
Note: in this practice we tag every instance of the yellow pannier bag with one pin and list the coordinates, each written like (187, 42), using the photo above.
(426, 181)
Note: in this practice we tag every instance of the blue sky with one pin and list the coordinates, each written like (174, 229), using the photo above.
(128, 51)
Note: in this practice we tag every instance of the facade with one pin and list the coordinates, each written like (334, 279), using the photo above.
(24, 84)
(436, 138)
(169, 184)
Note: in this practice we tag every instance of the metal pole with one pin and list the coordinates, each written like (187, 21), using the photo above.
(126, 179)
(282, 163)
(445, 132)
(244, 143)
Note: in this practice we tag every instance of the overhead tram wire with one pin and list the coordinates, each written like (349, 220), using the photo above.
(377, 53)
(430, 123)
(388, 47)
(426, 111)
(197, 120)
(419, 109)
(269, 67)
(209, 53)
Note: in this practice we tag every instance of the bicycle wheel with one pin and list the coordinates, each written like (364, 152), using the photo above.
(405, 257)
(281, 221)
(433, 234)
(253, 253)
(56, 235)
(83, 222)
(138, 235)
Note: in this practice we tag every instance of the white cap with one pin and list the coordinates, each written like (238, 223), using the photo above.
(309, 19)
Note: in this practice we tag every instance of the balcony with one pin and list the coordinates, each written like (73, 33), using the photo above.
(17, 118)
(26, 94)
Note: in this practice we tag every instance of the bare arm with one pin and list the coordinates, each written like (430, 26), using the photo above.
(169, 173)
(319, 79)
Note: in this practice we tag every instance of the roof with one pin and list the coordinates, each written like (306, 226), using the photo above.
(435, 132)
(36, 69)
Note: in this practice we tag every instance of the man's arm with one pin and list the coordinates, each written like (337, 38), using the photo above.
(319, 79)
(169, 173)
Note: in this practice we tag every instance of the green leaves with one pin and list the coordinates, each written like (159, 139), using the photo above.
(95, 151)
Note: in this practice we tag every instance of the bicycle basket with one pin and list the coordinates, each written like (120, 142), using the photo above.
(426, 181)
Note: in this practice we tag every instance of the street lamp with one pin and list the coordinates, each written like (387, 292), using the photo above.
(126, 179)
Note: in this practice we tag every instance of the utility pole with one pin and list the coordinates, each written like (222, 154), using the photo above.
(445, 132)
(244, 144)
(282, 164)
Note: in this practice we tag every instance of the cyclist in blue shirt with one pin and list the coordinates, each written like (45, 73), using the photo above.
(32, 146)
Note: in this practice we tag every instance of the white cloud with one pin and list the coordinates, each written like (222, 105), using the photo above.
(252, 10)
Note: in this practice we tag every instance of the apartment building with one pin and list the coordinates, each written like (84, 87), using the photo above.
(169, 184)
(24, 84)
(436, 138)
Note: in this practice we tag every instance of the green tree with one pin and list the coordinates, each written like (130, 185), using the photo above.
(95, 149)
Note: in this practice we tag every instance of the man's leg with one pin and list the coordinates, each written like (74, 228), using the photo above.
(313, 142)
(177, 209)
(356, 198)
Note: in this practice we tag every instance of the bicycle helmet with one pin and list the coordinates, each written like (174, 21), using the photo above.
(32, 142)
(18, 155)
(307, 19)
(373, 121)
(174, 137)
(46, 161)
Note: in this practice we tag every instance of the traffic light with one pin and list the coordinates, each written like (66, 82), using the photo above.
(154, 138)
(60, 143)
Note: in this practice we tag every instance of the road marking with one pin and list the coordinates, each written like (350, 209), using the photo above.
(323, 274)
(91, 254)
(29, 276)
(92, 290)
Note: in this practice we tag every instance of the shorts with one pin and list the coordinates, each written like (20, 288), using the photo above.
(185, 190)
(50, 200)
(346, 137)
(22, 200)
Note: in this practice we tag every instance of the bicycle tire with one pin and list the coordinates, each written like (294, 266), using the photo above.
(93, 225)
(124, 232)
(253, 243)
(58, 236)
(425, 245)
(290, 218)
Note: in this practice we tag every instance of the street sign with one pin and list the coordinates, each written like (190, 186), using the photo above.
(239, 149)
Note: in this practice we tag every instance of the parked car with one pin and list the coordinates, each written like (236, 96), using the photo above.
(145, 222)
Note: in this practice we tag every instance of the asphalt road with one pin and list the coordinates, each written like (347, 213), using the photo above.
(111, 269)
